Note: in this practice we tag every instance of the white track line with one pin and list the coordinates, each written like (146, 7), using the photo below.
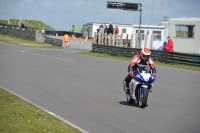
(47, 56)
(58, 117)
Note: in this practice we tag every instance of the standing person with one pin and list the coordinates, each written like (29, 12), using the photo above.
(22, 25)
(143, 58)
(100, 31)
(105, 28)
(116, 30)
(169, 47)
(110, 29)
(43, 32)
(66, 39)
(32, 28)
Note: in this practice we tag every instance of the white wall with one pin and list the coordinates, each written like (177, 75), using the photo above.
(185, 45)
(156, 43)
(131, 30)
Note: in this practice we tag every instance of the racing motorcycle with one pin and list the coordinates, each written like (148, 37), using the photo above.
(143, 81)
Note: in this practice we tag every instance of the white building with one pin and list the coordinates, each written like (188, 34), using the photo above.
(159, 32)
(90, 28)
(185, 32)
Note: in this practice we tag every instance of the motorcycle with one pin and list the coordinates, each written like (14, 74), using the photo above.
(143, 81)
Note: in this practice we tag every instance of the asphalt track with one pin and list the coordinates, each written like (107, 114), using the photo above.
(87, 91)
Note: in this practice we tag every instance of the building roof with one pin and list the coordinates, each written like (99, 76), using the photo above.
(128, 25)
(90, 23)
(149, 26)
(185, 19)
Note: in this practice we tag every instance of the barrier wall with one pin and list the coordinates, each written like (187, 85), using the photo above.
(19, 33)
(53, 41)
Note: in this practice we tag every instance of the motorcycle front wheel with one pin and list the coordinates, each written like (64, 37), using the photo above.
(142, 99)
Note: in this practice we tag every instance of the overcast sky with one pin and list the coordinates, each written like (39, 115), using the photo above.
(62, 14)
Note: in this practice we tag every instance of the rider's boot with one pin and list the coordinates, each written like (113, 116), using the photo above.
(126, 87)
(150, 89)
(126, 84)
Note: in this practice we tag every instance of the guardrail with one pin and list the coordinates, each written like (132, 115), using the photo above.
(170, 57)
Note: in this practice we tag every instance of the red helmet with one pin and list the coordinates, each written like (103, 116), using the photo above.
(145, 53)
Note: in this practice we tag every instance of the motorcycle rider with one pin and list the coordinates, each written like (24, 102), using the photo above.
(143, 58)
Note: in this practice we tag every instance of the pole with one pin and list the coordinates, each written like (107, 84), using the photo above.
(161, 12)
(152, 13)
(140, 24)
(169, 12)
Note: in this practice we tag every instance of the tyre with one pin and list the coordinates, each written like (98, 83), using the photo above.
(142, 100)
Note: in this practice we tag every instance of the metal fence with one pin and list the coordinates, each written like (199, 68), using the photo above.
(170, 57)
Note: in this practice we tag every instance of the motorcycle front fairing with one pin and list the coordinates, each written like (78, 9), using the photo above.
(139, 76)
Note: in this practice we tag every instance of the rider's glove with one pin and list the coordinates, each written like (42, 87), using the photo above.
(131, 74)
(154, 75)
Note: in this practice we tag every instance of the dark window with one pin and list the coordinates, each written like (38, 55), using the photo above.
(123, 30)
(185, 31)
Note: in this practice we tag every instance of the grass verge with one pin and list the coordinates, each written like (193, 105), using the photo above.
(18, 116)
(26, 43)
(158, 63)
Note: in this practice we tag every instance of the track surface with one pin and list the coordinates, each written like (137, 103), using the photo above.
(87, 91)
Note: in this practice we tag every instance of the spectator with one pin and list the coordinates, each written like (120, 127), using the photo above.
(169, 47)
(22, 25)
(97, 30)
(66, 39)
(110, 29)
(116, 30)
(100, 31)
(43, 32)
(105, 28)
(32, 28)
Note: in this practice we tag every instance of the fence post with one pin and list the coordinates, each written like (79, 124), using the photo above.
(131, 43)
(140, 45)
(126, 40)
(117, 36)
(106, 39)
(110, 37)
(145, 41)
(95, 37)
(113, 39)
(99, 38)
(151, 42)
(121, 40)
(102, 35)
(136, 40)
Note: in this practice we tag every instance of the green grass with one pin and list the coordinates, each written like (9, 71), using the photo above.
(157, 63)
(26, 43)
(17, 116)
(38, 25)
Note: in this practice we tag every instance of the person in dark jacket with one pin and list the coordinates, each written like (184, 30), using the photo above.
(110, 29)
(105, 28)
